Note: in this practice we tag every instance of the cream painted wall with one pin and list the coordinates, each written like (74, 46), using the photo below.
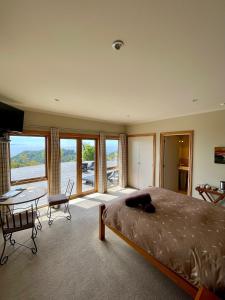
(43, 121)
(209, 131)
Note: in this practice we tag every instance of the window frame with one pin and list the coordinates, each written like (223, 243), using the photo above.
(95, 188)
(79, 138)
(43, 134)
(117, 138)
(62, 137)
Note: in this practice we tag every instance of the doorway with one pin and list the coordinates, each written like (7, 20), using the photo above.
(176, 161)
(78, 156)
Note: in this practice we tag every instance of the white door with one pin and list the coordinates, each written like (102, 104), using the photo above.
(146, 162)
(171, 163)
(133, 162)
(140, 161)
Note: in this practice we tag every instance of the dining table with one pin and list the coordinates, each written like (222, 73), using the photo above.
(24, 196)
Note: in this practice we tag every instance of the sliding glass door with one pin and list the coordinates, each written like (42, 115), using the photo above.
(78, 163)
(68, 155)
(112, 162)
(88, 165)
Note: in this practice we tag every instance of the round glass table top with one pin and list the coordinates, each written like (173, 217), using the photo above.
(24, 196)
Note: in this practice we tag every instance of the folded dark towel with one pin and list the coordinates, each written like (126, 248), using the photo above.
(138, 200)
(149, 208)
(142, 201)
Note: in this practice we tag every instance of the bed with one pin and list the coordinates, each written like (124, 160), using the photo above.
(184, 238)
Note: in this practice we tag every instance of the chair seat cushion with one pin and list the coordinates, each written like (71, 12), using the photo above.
(57, 199)
(21, 221)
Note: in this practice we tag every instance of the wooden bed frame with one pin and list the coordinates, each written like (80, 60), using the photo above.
(197, 294)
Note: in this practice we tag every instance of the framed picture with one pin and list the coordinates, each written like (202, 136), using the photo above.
(219, 156)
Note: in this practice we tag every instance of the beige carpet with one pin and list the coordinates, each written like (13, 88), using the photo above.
(73, 264)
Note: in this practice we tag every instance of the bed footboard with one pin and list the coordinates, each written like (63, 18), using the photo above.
(204, 294)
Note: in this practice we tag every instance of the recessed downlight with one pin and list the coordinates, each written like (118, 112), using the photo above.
(194, 100)
(57, 99)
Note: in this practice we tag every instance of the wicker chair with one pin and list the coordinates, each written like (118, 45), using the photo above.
(57, 200)
(13, 221)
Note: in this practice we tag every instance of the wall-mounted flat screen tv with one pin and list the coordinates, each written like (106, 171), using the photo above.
(11, 118)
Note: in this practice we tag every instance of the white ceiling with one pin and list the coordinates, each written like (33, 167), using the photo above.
(174, 52)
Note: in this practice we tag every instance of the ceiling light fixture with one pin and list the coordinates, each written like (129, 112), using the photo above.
(195, 100)
(222, 104)
(57, 100)
(117, 44)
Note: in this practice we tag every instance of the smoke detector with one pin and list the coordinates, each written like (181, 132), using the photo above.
(117, 44)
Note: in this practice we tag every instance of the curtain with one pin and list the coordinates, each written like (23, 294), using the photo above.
(102, 181)
(123, 161)
(54, 168)
(4, 168)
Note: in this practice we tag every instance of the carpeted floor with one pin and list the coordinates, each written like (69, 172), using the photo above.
(73, 264)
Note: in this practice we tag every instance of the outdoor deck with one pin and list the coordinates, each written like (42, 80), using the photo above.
(68, 171)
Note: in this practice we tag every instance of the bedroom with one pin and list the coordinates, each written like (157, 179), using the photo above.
(57, 64)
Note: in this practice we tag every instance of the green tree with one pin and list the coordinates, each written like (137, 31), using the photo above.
(88, 152)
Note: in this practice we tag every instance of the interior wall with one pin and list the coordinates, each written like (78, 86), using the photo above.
(44, 121)
(209, 132)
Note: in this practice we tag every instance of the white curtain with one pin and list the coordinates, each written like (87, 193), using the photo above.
(54, 167)
(123, 160)
(102, 181)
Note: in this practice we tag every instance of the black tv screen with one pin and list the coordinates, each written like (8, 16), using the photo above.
(11, 118)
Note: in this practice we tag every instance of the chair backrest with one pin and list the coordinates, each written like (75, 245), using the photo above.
(16, 219)
(69, 188)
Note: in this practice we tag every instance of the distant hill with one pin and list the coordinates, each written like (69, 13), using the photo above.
(33, 158)
(68, 155)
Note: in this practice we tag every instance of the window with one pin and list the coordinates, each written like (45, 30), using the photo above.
(28, 159)
(88, 165)
(68, 154)
(78, 162)
(112, 162)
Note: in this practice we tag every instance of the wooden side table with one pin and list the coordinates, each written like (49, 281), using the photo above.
(210, 195)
